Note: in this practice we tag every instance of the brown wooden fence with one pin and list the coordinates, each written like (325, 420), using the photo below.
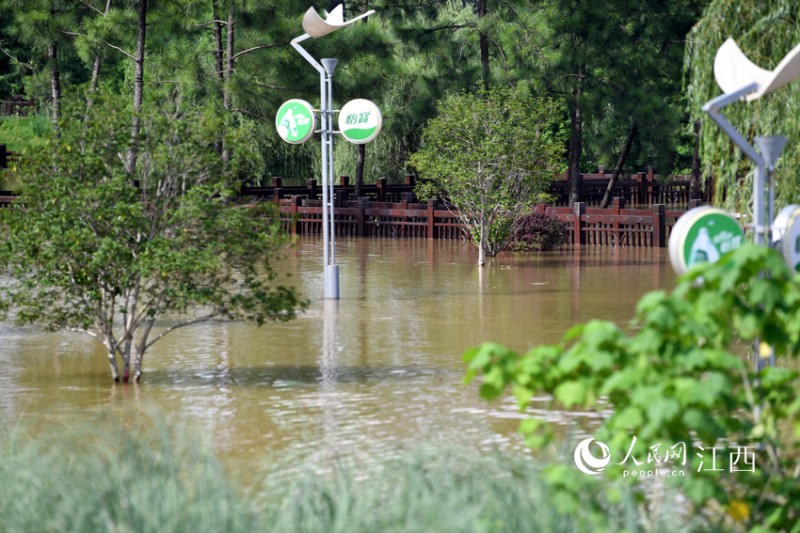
(16, 105)
(641, 189)
(618, 226)
(615, 226)
(373, 219)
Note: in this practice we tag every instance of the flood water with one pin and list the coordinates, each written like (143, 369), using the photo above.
(372, 373)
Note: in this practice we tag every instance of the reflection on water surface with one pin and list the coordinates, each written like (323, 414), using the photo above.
(373, 372)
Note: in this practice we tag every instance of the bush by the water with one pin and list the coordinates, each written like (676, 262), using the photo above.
(148, 480)
(538, 232)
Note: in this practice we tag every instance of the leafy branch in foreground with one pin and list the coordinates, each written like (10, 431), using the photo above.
(679, 377)
(92, 248)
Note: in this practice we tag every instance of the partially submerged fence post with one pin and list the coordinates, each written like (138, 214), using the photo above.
(660, 226)
(276, 189)
(312, 189)
(644, 186)
(361, 217)
(294, 204)
(431, 218)
(381, 189)
(579, 209)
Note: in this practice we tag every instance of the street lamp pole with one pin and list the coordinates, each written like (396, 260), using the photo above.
(330, 274)
(315, 26)
(741, 79)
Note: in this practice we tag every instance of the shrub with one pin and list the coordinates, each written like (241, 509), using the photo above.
(678, 381)
(538, 232)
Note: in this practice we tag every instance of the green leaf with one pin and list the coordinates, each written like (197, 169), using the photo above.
(571, 393)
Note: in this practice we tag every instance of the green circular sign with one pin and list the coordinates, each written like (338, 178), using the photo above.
(295, 121)
(703, 234)
(360, 121)
(786, 235)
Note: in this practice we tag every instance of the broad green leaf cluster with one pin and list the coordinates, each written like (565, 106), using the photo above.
(680, 375)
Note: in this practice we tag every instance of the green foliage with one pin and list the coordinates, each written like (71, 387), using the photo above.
(148, 477)
(618, 64)
(19, 132)
(489, 153)
(765, 31)
(679, 378)
(94, 249)
(144, 478)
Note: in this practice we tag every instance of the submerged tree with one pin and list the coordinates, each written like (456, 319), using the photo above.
(90, 248)
(491, 154)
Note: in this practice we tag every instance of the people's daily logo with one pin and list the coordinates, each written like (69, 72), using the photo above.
(586, 461)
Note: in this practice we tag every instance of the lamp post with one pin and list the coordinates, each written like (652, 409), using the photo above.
(741, 79)
(315, 26)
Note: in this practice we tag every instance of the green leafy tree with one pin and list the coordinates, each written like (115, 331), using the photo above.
(89, 247)
(766, 32)
(680, 377)
(617, 66)
(491, 154)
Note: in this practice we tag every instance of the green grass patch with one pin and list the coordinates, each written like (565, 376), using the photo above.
(153, 478)
(18, 132)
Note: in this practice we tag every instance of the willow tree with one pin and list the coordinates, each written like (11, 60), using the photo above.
(765, 31)
(88, 248)
(491, 155)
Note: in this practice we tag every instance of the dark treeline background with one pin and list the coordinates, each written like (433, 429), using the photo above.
(614, 67)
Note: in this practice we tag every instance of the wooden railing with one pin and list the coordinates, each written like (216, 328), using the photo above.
(16, 106)
(618, 226)
(373, 219)
(381, 191)
(641, 189)
(615, 226)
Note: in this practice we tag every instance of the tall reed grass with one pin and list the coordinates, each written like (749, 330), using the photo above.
(155, 479)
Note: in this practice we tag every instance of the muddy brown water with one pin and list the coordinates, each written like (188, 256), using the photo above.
(372, 373)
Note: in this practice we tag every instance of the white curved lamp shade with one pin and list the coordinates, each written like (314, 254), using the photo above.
(315, 26)
(733, 70)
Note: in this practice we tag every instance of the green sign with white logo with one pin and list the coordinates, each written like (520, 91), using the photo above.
(295, 121)
(786, 235)
(360, 121)
(703, 234)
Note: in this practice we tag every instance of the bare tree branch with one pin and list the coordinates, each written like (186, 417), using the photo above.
(255, 48)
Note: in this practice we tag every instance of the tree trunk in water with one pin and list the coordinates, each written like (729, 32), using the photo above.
(482, 244)
(112, 363)
(219, 54)
(55, 83)
(483, 41)
(138, 89)
(360, 160)
(137, 365)
(576, 141)
(620, 163)
(695, 191)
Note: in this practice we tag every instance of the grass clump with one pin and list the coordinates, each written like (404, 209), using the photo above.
(152, 478)
(143, 480)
